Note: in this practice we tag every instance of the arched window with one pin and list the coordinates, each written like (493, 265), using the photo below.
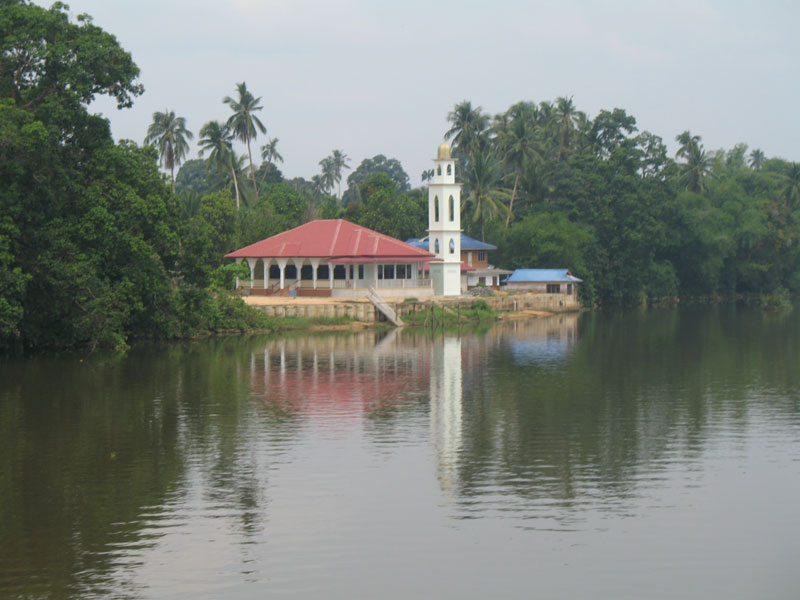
(449, 169)
(436, 246)
(452, 247)
(439, 170)
(452, 209)
(436, 208)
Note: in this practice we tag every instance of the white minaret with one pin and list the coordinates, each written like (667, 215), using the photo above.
(444, 224)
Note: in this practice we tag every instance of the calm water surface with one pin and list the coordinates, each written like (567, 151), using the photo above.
(647, 454)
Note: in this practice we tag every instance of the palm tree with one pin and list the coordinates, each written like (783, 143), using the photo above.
(217, 140)
(468, 127)
(566, 120)
(169, 134)
(243, 123)
(517, 143)
(427, 175)
(485, 200)
(269, 152)
(757, 159)
(339, 159)
(792, 189)
(328, 175)
(698, 161)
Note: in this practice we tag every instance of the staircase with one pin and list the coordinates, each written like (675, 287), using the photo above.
(382, 306)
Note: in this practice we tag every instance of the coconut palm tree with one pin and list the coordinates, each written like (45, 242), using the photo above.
(468, 128)
(566, 121)
(328, 175)
(792, 189)
(517, 142)
(698, 161)
(243, 123)
(169, 134)
(485, 199)
(757, 159)
(217, 140)
(339, 160)
(269, 152)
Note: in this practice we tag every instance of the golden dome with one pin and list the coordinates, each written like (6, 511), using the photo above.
(444, 151)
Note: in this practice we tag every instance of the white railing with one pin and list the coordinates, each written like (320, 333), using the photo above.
(338, 284)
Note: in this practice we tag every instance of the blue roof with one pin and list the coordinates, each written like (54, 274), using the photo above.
(543, 275)
(467, 243)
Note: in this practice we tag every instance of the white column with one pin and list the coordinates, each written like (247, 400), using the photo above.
(314, 265)
(266, 272)
(282, 266)
(251, 262)
(330, 275)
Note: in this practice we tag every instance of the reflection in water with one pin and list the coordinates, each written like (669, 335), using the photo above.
(621, 447)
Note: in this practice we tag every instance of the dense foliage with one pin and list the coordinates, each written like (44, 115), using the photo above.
(96, 245)
(92, 246)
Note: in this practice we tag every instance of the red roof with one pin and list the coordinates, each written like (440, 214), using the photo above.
(331, 239)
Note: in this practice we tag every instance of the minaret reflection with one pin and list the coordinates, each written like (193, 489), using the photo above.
(446, 408)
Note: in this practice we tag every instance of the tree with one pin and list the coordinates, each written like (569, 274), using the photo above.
(217, 140)
(565, 119)
(269, 152)
(51, 66)
(467, 129)
(518, 146)
(168, 134)
(339, 160)
(698, 162)
(328, 174)
(757, 159)
(792, 186)
(379, 164)
(243, 123)
(485, 199)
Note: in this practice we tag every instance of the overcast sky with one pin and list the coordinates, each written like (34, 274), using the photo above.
(373, 77)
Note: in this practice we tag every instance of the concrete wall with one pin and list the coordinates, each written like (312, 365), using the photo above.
(365, 311)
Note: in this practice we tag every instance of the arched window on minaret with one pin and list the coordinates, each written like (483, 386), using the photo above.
(436, 246)
(436, 208)
(439, 170)
(449, 169)
(452, 247)
(452, 209)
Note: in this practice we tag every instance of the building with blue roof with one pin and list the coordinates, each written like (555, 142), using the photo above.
(475, 267)
(544, 281)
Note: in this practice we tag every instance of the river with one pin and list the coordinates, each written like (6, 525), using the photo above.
(640, 454)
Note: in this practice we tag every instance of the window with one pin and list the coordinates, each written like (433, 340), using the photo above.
(401, 271)
(290, 272)
(436, 208)
(439, 170)
(388, 271)
(408, 271)
(452, 209)
(569, 289)
(436, 247)
(380, 271)
(322, 272)
(361, 271)
(274, 272)
(306, 272)
(449, 169)
(351, 271)
(338, 272)
(452, 247)
(553, 288)
(481, 255)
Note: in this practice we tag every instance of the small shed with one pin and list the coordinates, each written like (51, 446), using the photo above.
(543, 281)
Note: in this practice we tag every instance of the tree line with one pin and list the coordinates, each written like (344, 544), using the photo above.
(97, 246)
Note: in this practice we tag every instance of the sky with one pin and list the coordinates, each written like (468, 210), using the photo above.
(375, 77)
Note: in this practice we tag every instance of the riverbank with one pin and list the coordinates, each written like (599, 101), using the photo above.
(362, 310)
